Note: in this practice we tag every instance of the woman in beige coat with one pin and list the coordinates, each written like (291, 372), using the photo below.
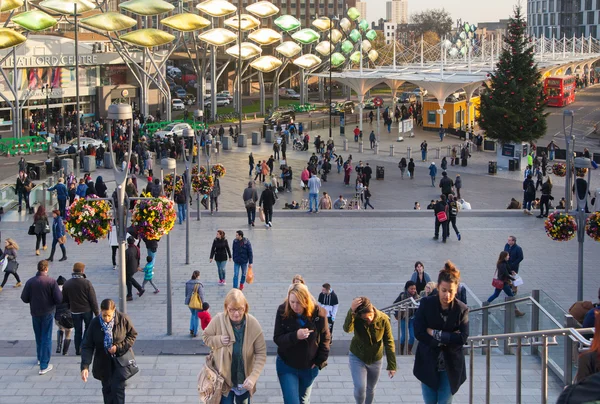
(239, 349)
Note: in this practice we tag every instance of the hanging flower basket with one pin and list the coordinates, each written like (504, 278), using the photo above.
(581, 172)
(89, 219)
(218, 170)
(592, 226)
(154, 218)
(559, 169)
(168, 181)
(198, 170)
(203, 184)
(561, 226)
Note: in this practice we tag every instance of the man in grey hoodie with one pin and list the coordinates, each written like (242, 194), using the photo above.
(250, 196)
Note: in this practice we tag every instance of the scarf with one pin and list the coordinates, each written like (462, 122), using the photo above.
(108, 332)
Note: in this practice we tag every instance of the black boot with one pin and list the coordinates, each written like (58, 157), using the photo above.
(59, 340)
(66, 347)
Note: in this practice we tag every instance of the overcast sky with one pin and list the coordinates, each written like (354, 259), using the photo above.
(472, 11)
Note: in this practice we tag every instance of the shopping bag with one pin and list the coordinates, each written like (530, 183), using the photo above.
(195, 301)
(518, 281)
(250, 275)
(261, 214)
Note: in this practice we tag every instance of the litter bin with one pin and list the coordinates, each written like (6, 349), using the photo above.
(511, 165)
(36, 170)
(492, 168)
(517, 164)
(48, 164)
(379, 173)
(342, 131)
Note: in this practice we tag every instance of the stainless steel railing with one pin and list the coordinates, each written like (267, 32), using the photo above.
(405, 308)
(542, 339)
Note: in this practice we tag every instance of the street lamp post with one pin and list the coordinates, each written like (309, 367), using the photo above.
(170, 165)
(47, 89)
(331, 22)
(187, 134)
(77, 106)
(569, 148)
(581, 193)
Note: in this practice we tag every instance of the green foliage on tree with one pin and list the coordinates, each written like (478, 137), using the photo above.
(435, 20)
(513, 104)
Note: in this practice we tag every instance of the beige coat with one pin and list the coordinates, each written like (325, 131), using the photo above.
(254, 349)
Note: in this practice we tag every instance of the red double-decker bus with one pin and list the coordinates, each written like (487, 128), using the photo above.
(560, 90)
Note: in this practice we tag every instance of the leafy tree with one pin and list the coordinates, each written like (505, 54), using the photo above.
(512, 103)
(435, 20)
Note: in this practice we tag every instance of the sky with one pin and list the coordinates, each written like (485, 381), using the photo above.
(472, 11)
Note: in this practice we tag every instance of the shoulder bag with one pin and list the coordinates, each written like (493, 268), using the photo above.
(250, 204)
(11, 266)
(210, 382)
(31, 230)
(442, 216)
(195, 301)
(497, 283)
(126, 366)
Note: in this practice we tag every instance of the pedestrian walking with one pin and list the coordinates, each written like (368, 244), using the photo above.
(214, 196)
(314, 185)
(42, 294)
(181, 201)
(411, 169)
(440, 211)
(194, 286)
(420, 277)
(424, 150)
(441, 133)
(80, 295)
(113, 240)
(356, 134)
(302, 338)
(276, 150)
(266, 202)
(442, 328)
(59, 236)
(149, 274)
(552, 147)
(242, 258)
(458, 185)
(432, 173)
(367, 195)
(372, 336)
(402, 166)
(10, 253)
(372, 139)
(250, 160)
(62, 193)
(250, 196)
(238, 346)
(329, 301)
(23, 187)
(63, 319)
(515, 256)
(453, 209)
(410, 291)
(108, 343)
(528, 194)
(546, 197)
(132, 266)
(503, 277)
(446, 184)
(220, 252)
(41, 227)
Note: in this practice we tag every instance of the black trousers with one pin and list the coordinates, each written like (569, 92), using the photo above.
(6, 278)
(453, 222)
(113, 390)
(40, 237)
(445, 229)
(268, 215)
(545, 203)
(115, 248)
(131, 282)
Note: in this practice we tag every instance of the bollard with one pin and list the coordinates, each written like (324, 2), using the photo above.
(376, 149)
(391, 150)
(448, 151)
(360, 146)
(408, 152)
(437, 152)
(345, 144)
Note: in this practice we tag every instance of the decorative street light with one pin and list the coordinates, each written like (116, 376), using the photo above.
(569, 146)
(581, 193)
(47, 89)
(334, 20)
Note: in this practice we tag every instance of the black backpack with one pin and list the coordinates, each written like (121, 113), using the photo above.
(585, 392)
(530, 188)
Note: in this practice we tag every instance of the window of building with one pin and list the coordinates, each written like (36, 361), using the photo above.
(552, 19)
(545, 19)
(594, 31)
(431, 117)
(551, 6)
(590, 17)
(539, 19)
(544, 6)
(588, 5)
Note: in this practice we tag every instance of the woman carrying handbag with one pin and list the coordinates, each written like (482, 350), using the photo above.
(108, 342)
(59, 236)
(194, 287)
(41, 227)
(10, 254)
(502, 280)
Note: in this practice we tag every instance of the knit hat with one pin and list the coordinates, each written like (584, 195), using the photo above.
(78, 267)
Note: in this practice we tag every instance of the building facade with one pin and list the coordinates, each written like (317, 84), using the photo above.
(361, 6)
(397, 11)
(558, 18)
(389, 32)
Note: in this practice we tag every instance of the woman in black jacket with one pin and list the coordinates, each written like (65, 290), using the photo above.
(302, 338)
(442, 328)
(100, 187)
(504, 275)
(411, 169)
(110, 335)
(220, 252)
(546, 197)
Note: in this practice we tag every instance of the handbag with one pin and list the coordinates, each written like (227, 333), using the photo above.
(62, 240)
(210, 382)
(250, 204)
(441, 216)
(11, 267)
(250, 275)
(47, 228)
(126, 366)
(497, 283)
(31, 230)
(195, 301)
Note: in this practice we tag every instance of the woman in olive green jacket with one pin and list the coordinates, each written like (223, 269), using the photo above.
(372, 335)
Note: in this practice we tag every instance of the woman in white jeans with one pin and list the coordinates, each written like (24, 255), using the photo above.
(372, 335)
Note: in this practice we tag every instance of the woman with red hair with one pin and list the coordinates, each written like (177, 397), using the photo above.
(589, 362)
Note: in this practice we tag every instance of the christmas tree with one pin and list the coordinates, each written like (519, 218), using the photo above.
(513, 103)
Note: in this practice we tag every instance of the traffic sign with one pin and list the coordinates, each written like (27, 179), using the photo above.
(378, 101)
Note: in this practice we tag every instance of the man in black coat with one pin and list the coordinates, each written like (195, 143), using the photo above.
(267, 200)
(446, 184)
(367, 173)
(441, 206)
(132, 265)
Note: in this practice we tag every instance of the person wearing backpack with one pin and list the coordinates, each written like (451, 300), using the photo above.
(181, 205)
(440, 211)
(528, 194)
(453, 208)
(402, 166)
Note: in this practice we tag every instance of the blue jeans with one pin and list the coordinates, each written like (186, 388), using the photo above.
(221, 269)
(251, 214)
(551, 155)
(78, 321)
(251, 167)
(42, 328)
(153, 255)
(232, 398)
(296, 384)
(432, 180)
(62, 207)
(411, 331)
(365, 378)
(194, 321)
(313, 197)
(181, 207)
(236, 272)
(442, 395)
(507, 289)
(423, 155)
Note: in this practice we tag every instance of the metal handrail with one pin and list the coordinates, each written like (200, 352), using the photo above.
(400, 304)
(542, 338)
(513, 301)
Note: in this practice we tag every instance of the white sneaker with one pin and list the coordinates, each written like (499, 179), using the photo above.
(266, 224)
(270, 224)
(44, 371)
